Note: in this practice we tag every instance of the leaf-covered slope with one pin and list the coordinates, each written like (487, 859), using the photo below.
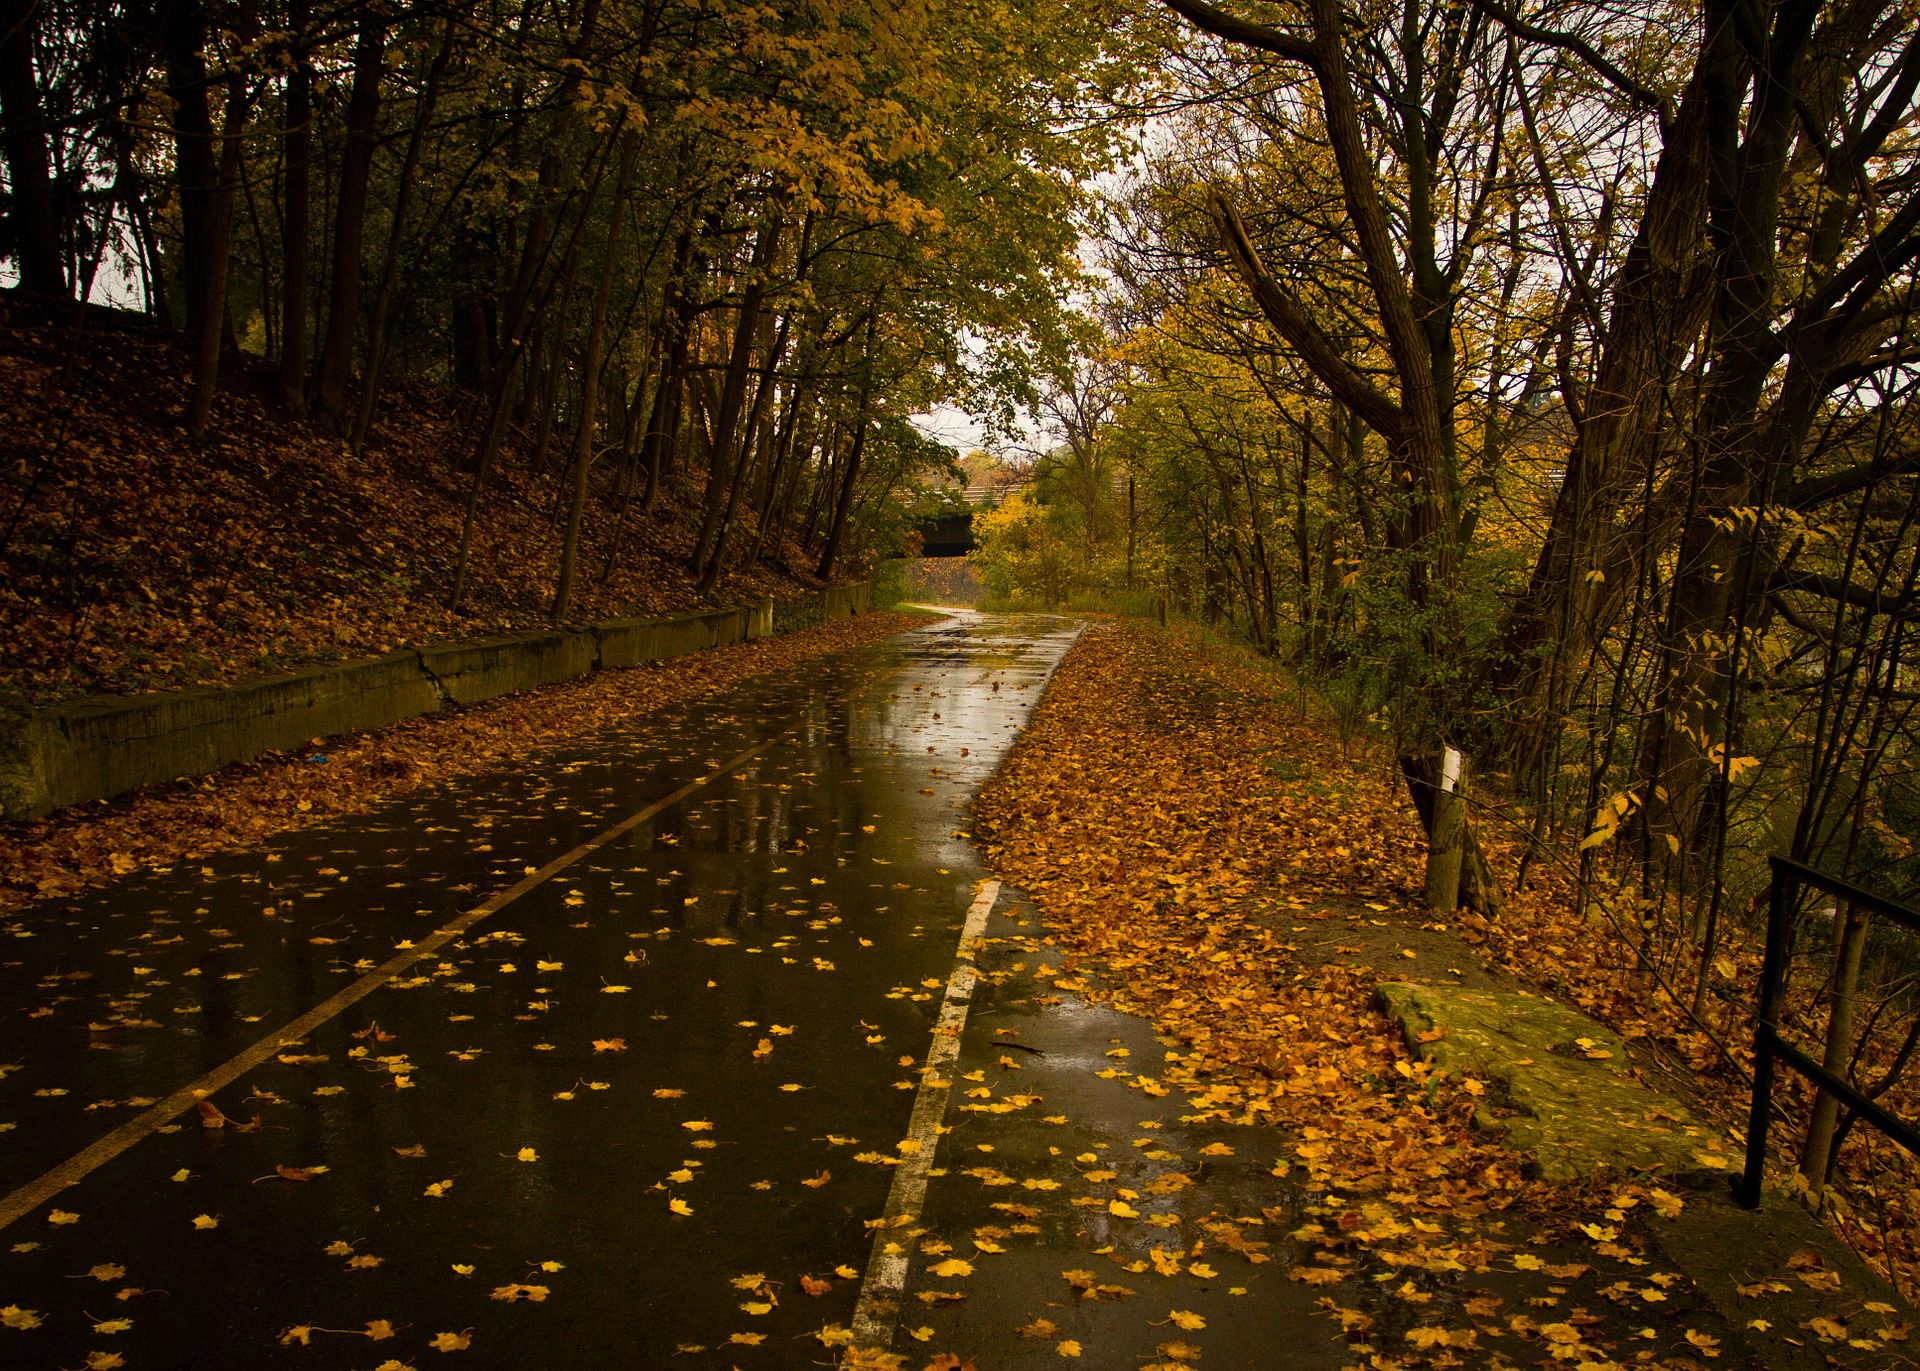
(133, 560)
(1210, 855)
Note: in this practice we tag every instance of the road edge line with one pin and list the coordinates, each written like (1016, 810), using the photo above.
(876, 1315)
(97, 1154)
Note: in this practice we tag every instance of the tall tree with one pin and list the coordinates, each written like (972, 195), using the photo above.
(296, 212)
(33, 223)
(350, 222)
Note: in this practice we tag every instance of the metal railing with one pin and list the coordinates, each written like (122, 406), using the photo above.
(1789, 878)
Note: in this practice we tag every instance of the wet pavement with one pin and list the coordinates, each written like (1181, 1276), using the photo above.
(643, 1106)
(1100, 1208)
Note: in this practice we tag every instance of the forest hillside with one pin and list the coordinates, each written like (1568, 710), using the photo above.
(134, 560)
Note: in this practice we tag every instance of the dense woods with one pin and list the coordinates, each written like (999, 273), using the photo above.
(1540, 380)
(697, 245)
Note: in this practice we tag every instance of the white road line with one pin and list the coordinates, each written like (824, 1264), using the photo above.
(84, 1163)
(878, 1312)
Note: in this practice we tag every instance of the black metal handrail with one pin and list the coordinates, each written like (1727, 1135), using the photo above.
(1789, 877)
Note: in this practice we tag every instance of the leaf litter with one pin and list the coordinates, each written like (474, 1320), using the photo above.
(1182, 882)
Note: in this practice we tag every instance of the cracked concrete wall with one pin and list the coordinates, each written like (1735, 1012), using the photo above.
(100, 747)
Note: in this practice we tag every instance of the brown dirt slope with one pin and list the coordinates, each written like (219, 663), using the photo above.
(131, 560)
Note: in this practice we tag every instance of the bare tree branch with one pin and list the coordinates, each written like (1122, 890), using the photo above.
(1317, 350)
(1641, 94)
(1245, 32)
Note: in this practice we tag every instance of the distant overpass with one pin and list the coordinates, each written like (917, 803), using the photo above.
(951, 535)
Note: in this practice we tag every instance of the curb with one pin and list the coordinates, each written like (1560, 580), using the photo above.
(102, 746)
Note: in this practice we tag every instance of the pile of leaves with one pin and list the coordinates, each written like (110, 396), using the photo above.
(1143, 813)
(1185, 816)
(131, 560)
(247, 803)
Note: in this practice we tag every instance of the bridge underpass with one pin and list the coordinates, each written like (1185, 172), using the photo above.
(951, 535)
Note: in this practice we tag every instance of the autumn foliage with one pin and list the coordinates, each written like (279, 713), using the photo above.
(1211, 853)
(1144, 814)
(142, 562)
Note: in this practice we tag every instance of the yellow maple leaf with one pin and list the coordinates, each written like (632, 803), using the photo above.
(510, 1294)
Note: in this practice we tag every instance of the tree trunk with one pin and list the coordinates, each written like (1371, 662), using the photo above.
(1448, 837)
(592, 366)
(543, 382)
(196, 164)
(843, 506)
(298, 215)
(1132, 520)
(756, 420)
(350, 226)
(1816, 1154)
(1659, 305)
(794, 454)
(796, 411)
(383, 299)
(822, 482)
(721, 459)
(215, 268)
(36, 226)
(538, 244)
(1479, 889)
(503, 386)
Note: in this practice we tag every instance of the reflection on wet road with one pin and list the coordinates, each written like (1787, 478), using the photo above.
(574, 1131)
(613, 1062)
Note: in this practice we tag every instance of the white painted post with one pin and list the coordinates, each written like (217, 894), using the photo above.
(1447, 843)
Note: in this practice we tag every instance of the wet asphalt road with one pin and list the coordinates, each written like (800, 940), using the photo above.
(646, 1113)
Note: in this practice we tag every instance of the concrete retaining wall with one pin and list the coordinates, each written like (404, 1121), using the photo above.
(836, 602)
(93, 749)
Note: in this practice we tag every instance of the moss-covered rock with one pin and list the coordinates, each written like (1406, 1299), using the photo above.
(1564, 1098)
